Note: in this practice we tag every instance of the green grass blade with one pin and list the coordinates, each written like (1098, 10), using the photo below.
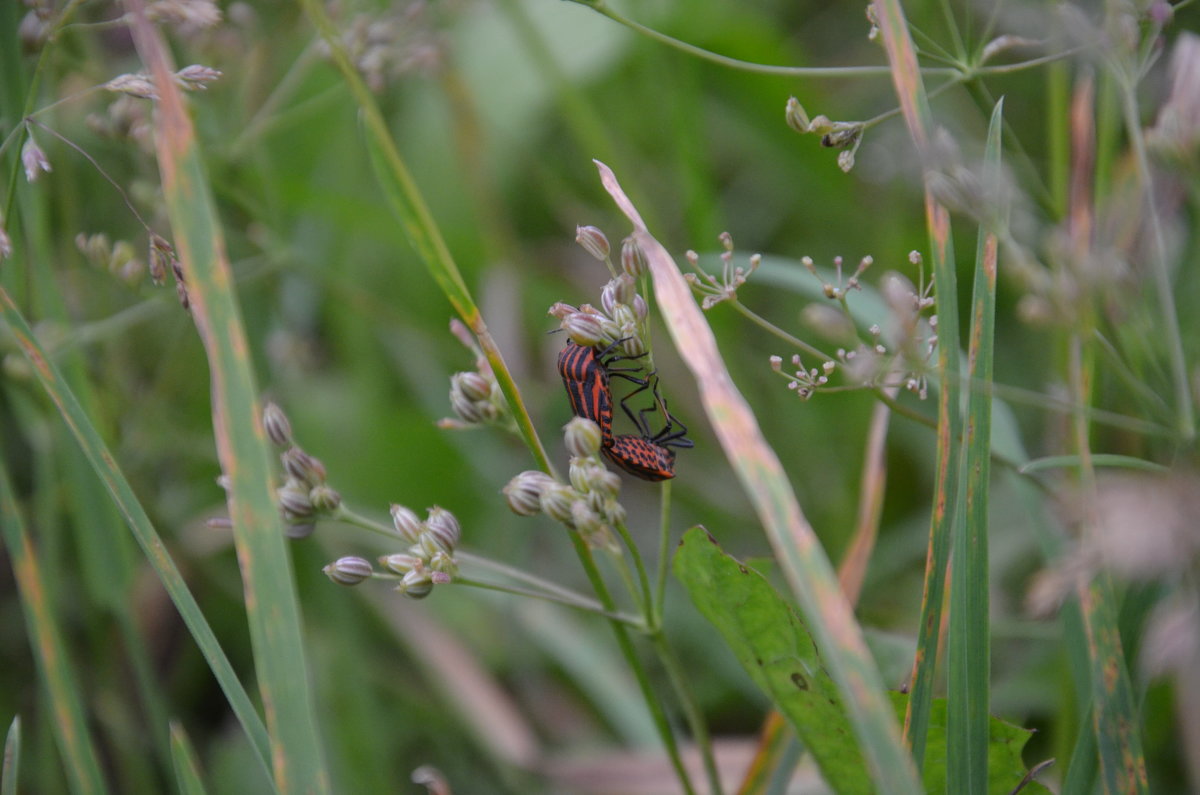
(808, 570)
(409, 205)
(271, 603)
(969, 643)
(11, 766)
(1115, 718)
(914, 104)
(104, 464)
(81, 765)
(183, 756)
(1098, 460)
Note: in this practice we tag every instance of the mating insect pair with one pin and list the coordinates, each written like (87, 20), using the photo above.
(585, 372)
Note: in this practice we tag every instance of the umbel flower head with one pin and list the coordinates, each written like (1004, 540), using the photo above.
(475, 396)
(589, 504)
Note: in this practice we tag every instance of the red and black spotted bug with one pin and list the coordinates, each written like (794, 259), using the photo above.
(585, 373)
(649, 456)
(642, 457)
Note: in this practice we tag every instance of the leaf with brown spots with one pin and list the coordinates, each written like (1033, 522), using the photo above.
(775, 648)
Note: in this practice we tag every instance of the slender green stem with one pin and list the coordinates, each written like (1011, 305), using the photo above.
(351, 517)
(657, 714)
(691, 708)
(647, 597)
(767, 325)
(583, 603)
(545, 589)
(748, 66)
(266, 113)
(664, 548)
(520, 575)
(1185, 413)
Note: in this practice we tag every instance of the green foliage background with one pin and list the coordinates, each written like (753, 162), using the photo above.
(349, 334)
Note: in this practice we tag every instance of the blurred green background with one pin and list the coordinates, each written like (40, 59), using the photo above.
(499, 108)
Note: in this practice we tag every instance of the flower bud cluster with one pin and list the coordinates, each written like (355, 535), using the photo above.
(304, 496)
(589, 504)
(896, 354)
(732, 277)
(429, 559)
(622, 318)
(475, 396)
(804, 381)
(623, 312)
(844, 135)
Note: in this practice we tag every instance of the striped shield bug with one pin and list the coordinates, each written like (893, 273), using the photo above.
(649, 456)
(585, 373)
(641, 457)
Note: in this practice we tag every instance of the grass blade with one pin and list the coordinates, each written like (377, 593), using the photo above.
(969, 644)
(81, 765)
(187, 769)
(10, 767)
(914, 104)
(271, 604)
(808, 571)
(118, 487)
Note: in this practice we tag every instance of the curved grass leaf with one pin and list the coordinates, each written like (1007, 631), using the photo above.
(81, 765)
(12, 758)
(969, 640)
(272, 608)
(105, 467)
(183, 756)
(805, 565)
(914, 104)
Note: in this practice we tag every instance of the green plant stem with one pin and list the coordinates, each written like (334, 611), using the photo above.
(545, 589)
(664, 547)
(583, 603)
(748, 66)
(691, 708)
(647, 597)
(1185, 412)
(657, 714)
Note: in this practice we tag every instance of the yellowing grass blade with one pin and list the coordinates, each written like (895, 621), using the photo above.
(805, 564)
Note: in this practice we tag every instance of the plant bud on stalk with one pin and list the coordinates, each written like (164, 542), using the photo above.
(294, 500)
(407, 525)
(585, 329)
(472, 385)
(416, 584)
(302, 466)
(443, 529)
(524, 492)
(556, 502)
(349, 570)
(276, 424)
(584, 518)
(400, 563)
(583, 437)
(593, 241)
(633, 259)
(324, 498)
(467, 410)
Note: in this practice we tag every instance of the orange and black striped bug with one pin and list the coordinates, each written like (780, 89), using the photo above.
(585, 373)
(641, 457)
(648, 456)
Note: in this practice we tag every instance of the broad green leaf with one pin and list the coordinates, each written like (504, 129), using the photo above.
(1005, 741)
(777, 651)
